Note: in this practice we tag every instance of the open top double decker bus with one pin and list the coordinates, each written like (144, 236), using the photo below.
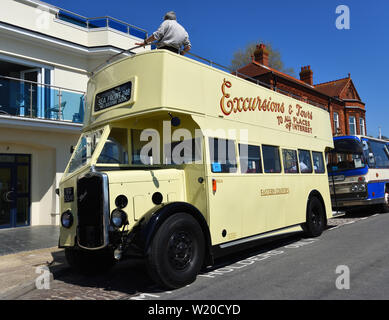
(359, 172)
(180, 162)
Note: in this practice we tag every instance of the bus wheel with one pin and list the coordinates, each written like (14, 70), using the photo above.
(90, 262)
(315, 223)
(176, 252)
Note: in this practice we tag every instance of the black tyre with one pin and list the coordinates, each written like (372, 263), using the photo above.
(316, 220)
(90, 262)
(176, 253)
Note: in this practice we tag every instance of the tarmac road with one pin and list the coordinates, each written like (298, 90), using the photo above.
(290, 268)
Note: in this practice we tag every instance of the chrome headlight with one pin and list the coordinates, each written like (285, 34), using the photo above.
(118, 218)
(354, 188)
(361, 188)
(67, 219)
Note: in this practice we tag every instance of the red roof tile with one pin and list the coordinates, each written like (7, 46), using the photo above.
(333, 88)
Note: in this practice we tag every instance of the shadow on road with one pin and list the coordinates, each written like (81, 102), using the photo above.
(129, 277)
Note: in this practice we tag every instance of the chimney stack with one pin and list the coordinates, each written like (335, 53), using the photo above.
(306, 75)
(261, 55)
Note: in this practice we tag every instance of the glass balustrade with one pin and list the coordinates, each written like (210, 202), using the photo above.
(34, 100)
(101, 22)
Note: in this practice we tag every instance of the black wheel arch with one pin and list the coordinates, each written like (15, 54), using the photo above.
(148, 226)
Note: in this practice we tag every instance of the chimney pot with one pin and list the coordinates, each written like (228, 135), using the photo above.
(261, 54)
(306, 75)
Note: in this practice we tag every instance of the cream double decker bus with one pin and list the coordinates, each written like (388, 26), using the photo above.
(239, 163)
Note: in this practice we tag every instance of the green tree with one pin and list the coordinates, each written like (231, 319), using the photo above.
(242, 57)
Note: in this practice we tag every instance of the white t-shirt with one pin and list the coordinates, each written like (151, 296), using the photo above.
(171, 33)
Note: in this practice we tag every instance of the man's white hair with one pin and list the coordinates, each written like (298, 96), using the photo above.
(171, 15)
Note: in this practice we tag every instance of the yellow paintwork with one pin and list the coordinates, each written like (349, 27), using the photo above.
(242, 205)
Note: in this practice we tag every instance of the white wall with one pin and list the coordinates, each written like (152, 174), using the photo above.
(49, 157)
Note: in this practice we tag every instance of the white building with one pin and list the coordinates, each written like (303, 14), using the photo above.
(46, 54)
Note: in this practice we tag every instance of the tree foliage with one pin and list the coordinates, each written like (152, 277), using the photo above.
(242, 57)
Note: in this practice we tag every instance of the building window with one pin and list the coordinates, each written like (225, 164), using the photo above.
(352, 125)
(362, 126)
(336, 122)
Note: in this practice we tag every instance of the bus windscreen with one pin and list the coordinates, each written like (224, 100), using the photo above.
(347, 155)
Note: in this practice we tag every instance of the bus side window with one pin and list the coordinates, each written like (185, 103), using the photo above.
(250, 158)
(271, 159)
(305, 161)
(223, 155)
(318, 162)
(290, 161)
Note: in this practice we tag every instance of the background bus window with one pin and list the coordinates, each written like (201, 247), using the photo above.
(318, 162)
(223, 155)
(115, 148)
(271, 159)
(377, 154)
(305, 161)
(250, 158)
(290, 161)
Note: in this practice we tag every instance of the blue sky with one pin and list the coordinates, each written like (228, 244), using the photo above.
(303, 30)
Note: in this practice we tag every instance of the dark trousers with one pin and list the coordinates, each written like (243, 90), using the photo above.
(172, 49)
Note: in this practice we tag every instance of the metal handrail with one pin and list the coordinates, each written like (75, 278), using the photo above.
(107, 18)
(117, 20)
(236, 73)
(40, 84)
(215, 64)
(116, 55)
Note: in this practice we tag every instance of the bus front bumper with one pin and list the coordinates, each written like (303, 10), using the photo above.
(356, 202)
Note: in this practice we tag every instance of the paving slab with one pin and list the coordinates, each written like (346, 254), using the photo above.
(19, 272)
(16, 240)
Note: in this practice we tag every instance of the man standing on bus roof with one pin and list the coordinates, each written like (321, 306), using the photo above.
(170, 35)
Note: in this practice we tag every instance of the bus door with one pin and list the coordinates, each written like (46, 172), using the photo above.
(225, 211)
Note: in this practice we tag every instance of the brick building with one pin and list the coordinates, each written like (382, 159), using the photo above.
(339, 97)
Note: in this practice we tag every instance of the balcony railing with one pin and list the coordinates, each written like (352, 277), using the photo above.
(22, 98)
(100, 22)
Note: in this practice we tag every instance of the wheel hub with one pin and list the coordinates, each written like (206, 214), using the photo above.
(180, 250)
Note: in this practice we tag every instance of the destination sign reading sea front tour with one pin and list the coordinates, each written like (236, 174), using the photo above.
(291, 117)
(113, 97)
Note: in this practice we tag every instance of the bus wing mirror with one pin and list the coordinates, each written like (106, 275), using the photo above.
(71, 149)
